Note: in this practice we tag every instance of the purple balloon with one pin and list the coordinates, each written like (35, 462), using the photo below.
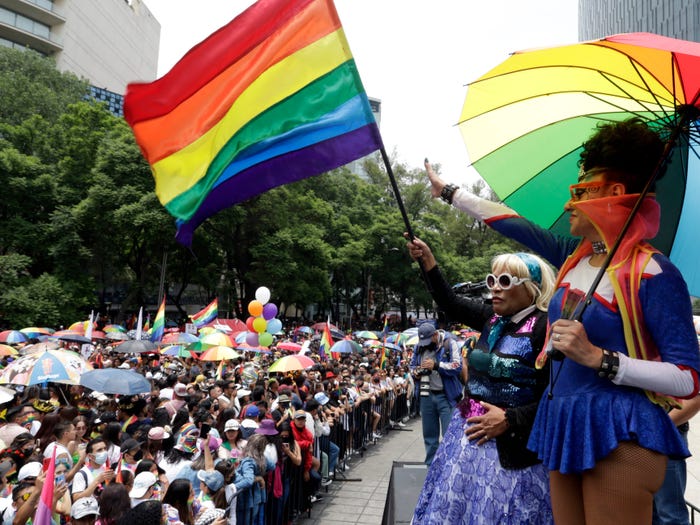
(251, 338)
(269, 311)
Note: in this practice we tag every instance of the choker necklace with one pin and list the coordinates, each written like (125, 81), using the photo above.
(599, 247)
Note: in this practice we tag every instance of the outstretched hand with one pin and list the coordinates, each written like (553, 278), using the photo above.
(436, 183)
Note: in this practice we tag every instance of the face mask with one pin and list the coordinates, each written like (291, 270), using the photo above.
(100, 458)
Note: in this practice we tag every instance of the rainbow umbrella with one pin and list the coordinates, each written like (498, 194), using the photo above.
(115, 328)
(82, 326)
(291, 362)
(537, 108)
(176, 338)
(198, 346)
(52, 366)
(13, 337)
(217, 339)
(219, 353)
(177, 351)
(6, 350)
(36, 331)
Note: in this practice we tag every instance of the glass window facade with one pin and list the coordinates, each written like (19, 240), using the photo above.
(24, 23)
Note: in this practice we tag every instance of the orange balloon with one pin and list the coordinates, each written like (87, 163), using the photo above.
(255, 308)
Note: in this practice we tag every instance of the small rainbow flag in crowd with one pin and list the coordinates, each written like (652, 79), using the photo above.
(159, 323)
(45, 505)
(207, 314)
(326, 342)
(271, 98)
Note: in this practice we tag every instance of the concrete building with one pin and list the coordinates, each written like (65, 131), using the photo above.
(672, 18)
(107, 42)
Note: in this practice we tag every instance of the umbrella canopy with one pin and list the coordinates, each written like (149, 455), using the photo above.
(218, 339)
(366, 334)
(52, 366)
(538, 107)
(136, 346)
(291, 362)
(115, 328)
(39, 347)
(346, 346)
(288, 345)
(75, 338)
(304, 330)
(6, 350)
(117, 336)
(219, 353)
(245, 347)
(36, 331)
(177, 351)
(13, 337)
(115, 381)
(176, 338)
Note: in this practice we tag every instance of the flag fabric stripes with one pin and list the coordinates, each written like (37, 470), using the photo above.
(45, 505)
(207, 314)
(159, 323)
(326, 342)
(271, 98)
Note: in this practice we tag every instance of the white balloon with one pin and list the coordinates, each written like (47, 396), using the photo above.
(262, 294)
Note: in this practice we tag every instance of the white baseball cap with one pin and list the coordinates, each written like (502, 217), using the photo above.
(29, 470)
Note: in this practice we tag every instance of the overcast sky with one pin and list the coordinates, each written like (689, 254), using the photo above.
(415, 56)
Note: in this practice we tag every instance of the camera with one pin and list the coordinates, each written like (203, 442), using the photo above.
(423, 371)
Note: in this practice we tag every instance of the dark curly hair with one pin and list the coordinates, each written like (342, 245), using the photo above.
(630, 151)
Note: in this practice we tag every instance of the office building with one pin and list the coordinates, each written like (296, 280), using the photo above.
(672, 18)
(107, 42)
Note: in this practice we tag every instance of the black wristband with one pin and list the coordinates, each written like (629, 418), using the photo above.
(448, 192)
(609, 365)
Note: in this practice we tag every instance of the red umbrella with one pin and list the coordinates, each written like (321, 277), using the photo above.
(321, 326)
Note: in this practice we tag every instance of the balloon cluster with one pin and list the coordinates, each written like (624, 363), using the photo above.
(262, 323)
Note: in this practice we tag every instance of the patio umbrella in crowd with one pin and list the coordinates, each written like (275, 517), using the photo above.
(291, 362)
(52, 366)
(13, 337)
(115, 381)
(345, 346)
(136, 346)
(538, 107)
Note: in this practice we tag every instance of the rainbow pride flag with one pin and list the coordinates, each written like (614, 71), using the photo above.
(44, 507)
(271, 98)
(206, 315)
(324, 348)
(159, 323)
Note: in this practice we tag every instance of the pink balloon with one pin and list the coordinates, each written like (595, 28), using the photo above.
(251, 338)
(269, 311)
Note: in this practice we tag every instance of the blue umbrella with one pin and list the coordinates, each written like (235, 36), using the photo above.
(392, 346)
(346, 346)
(115, 381)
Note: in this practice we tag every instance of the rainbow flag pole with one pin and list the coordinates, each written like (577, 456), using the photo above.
(159, 323)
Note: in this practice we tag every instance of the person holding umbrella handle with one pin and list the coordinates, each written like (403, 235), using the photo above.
(602, 427)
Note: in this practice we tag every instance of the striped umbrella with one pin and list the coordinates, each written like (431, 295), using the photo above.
(291, 362)
(218, 339)
(115, 328)
(177, 351)
(6, 350)
(219, 353)
(177, 338)
(52, 366)
(13, 337)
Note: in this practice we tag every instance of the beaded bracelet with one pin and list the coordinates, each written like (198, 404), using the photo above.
(609, 365)
(448, 192)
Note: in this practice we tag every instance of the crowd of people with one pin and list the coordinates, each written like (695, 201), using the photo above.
(207, 444)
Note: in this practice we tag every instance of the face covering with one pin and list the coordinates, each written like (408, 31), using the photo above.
(100, 458)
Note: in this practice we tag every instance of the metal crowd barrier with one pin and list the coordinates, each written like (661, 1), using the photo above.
(352, 433)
